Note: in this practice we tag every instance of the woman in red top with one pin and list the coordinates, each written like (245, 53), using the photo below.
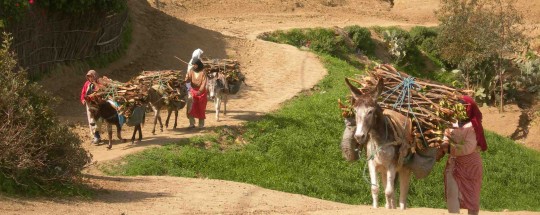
(196, 82)
(463, 173)
(89, 87)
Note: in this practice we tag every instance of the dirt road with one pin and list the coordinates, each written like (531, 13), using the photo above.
(275, 73)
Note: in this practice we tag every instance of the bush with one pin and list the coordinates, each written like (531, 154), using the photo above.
(295, 37)
(37, 152)
(324, 41)
(420, 33)
(361, 37)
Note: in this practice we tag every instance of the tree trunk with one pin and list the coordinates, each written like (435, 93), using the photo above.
(501, 109)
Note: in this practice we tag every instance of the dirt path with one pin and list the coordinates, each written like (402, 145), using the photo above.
(275, 73)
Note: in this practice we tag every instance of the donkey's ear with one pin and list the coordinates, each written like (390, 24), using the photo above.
(355, 91)
(378, 89)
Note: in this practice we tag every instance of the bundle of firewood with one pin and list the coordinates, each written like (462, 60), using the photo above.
(169, 83)
(126, 95)
(431, 106)
(230, 68)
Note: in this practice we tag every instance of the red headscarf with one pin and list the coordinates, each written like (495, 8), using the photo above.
(476, 119)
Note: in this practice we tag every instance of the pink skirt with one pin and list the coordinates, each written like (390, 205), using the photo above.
(198, 108)
(467, 171)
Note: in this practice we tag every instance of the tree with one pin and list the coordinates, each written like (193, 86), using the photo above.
(478, 36)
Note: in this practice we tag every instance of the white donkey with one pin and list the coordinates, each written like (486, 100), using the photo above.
(218, 91)
(388, 136)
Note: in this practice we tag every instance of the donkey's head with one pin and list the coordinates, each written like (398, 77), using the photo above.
(366, 110)
(214, 85)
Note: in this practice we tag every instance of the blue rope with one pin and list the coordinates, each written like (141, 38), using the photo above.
(406, 85)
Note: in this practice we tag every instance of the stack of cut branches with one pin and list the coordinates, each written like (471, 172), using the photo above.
(168, 83)
(126, 95)
(431, 106)
(229, 68)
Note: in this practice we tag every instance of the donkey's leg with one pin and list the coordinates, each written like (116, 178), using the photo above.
(384, 176)
(374, 183)
(217, 102)
(225, 100)
(169, 111)
(156, 114)
(140, 131)
(134, 132)
(404, 180)
(160, 124)
(109, 132)
(389, 189)
(119, 133)
(175, 117)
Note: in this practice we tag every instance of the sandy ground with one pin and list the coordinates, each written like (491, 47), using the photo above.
(275, 73)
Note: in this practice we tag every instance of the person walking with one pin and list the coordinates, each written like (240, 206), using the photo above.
(196, 82)
(88, 88)
(463, 172)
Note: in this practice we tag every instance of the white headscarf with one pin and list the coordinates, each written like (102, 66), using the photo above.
(195, 56)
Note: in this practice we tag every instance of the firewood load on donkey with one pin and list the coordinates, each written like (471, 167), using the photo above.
(224, 79)
(416, 112)
(116, 103)
(166, 89)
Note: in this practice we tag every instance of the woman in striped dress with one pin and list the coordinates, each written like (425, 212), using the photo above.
(463, 173)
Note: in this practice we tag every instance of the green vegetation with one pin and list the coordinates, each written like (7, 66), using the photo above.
(482, 38)
(40, 155)
(296, 149)
(318, 39)
(361, 38)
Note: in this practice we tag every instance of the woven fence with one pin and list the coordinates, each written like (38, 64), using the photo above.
(42, 39)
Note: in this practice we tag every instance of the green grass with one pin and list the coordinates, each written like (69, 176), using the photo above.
(296, 149)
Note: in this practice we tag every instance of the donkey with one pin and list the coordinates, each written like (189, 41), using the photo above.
(384, 134)
(218, 91)
(157, 102)
(106, 111)
(136, 120)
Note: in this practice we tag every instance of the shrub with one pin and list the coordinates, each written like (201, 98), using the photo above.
(420, 33)
(324, 41)
(37, 151)
(397, 44)
(295, 37)
(361, 38)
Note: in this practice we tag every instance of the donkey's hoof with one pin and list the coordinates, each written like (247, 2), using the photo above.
(109, 147)
(124, 140)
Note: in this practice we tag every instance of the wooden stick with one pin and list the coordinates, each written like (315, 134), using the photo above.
(181, 60)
